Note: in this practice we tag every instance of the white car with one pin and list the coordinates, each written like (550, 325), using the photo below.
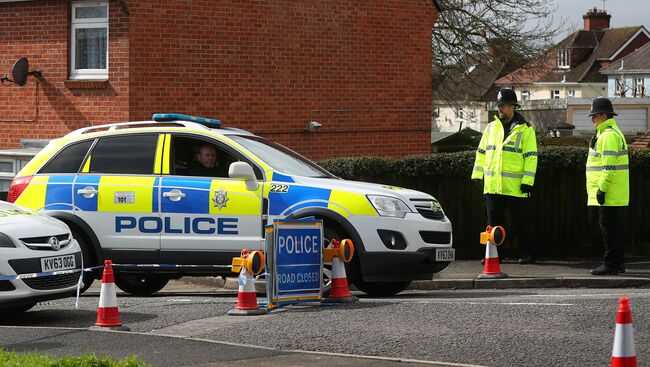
(32, 243)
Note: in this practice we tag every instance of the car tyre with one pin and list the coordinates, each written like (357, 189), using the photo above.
(140, 284)
(381, 289)
(88, 259)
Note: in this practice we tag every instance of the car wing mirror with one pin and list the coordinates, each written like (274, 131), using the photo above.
(243, 171)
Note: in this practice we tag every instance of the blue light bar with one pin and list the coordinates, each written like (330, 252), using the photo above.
(164, 117)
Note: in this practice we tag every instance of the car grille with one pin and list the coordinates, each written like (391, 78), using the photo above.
(52, 282)
(41, 243)
(440, 238)
(428, 208)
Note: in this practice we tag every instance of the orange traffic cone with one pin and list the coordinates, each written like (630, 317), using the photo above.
(623, 353)
(108, 315)
(246, 297)
(492, 237)
(340, 293)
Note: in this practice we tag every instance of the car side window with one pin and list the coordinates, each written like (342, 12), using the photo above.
(69, 159)
(129, 154)
(198, 157)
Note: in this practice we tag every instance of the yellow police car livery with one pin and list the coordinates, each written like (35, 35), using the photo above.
(184, 190)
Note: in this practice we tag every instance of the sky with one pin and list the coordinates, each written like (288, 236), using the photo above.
(624, 13)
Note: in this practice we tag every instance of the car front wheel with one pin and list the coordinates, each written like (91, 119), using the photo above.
(140, 284)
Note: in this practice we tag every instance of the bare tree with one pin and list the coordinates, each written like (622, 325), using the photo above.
(485, 34)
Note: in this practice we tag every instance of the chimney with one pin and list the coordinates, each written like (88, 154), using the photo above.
(596, 20)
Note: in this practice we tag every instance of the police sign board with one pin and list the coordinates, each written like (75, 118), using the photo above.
(297, 261)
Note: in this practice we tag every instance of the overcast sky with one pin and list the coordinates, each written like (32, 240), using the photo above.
(624, 13)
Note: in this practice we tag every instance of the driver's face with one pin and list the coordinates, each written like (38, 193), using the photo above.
(207, 156)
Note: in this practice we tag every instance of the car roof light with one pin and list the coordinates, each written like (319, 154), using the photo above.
(165, 117)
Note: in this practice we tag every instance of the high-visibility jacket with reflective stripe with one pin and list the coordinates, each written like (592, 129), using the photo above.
(506, 164)
(608, 166)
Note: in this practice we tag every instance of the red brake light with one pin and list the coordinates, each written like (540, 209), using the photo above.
(18, 185)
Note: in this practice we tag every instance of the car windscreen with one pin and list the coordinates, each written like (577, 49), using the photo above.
(280, 158)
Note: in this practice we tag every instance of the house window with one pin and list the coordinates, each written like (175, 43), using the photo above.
(460, 113)
(525, 95)
(571, 93)
(555, 94)
(563, 60)
(639, 89)
(89, 40)
(619, 89)
(472, 113)
(436, 112)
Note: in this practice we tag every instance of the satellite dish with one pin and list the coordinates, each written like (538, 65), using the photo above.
(20, 71)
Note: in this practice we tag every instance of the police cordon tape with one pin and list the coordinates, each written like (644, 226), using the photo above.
(118, 266)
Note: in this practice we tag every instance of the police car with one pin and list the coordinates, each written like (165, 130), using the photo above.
(30, 244)
(131, 193)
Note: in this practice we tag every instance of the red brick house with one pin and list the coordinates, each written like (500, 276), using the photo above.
(362, 69)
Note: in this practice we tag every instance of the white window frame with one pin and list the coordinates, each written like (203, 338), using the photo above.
(460, 114)
(94, 74)
(555, 94)
(563, 58)
(571, 93)
(525, 95)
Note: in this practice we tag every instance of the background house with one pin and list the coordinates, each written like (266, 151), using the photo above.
(629, 77)
(362, 69)
(572, 68)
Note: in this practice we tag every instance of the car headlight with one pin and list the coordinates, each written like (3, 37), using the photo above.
(5, 241)
(388, 206)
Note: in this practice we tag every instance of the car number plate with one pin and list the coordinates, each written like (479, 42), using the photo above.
(58, 263)
(445, 254)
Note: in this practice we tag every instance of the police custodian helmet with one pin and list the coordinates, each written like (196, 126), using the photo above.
(602, 105)
(507, 96)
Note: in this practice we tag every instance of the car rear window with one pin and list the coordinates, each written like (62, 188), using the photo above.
(69, 159)
(131, 154)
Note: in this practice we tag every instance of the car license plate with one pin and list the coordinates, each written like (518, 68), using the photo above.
(58, 263)
(445, 254)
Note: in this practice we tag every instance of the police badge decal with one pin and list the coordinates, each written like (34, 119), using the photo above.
(220, 198)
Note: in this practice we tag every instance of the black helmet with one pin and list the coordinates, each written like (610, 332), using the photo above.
(601, 105)
(507, 96)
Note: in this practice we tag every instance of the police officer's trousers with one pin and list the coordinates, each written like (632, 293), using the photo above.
(523, 220)
(609, 218)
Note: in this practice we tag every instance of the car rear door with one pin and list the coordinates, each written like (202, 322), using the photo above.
(117, 194)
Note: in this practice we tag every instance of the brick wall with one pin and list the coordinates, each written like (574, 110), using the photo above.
(51, 107)
(360, 68)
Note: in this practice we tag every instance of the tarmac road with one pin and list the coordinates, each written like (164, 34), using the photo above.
(526, 327)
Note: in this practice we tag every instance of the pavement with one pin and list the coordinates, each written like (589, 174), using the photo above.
(463, 274)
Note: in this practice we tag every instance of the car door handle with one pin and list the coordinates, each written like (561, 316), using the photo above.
(87, 192)
(174, 195)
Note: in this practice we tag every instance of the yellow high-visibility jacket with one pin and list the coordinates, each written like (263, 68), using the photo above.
(608, 166)
(504, 165)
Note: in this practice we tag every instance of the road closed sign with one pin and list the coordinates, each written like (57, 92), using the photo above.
(297, 261)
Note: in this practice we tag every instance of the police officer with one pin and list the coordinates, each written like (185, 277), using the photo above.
(608, 182)
(206, 163)
(506, 162)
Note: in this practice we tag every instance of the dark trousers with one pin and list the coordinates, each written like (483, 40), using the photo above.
(609, 218)
(523, 219)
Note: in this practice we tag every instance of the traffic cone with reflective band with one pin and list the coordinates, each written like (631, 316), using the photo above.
(624, 353)
(340, 293)
(246, 297)
(108, 315)
(492, 237)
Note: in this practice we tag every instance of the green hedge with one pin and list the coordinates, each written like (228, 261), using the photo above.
(567, 226)
(551, 159)
(32, 359)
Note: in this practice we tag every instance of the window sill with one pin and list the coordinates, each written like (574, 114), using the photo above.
(86, 84)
